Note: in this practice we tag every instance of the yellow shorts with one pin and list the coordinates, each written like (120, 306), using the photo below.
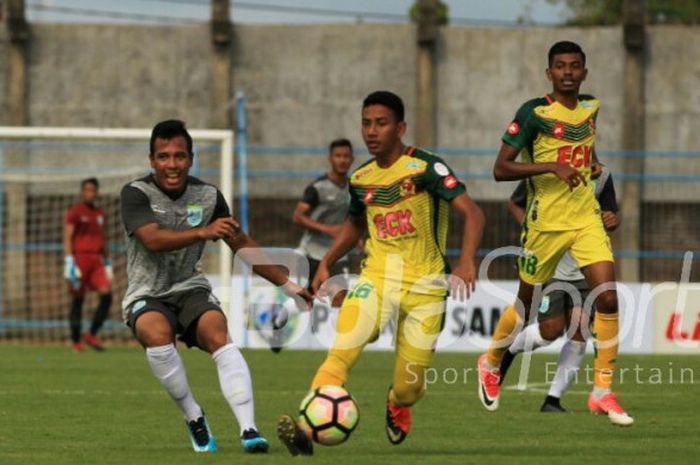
(544, 249)
(370, 305)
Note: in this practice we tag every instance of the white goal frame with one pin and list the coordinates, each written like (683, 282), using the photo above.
(223, 136)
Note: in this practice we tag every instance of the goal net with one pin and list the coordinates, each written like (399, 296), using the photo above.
(40, 174)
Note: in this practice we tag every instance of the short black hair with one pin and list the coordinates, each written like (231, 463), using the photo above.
(169, 129)
(342, 142)
(565, 46)
(387, 99)
(92, 181)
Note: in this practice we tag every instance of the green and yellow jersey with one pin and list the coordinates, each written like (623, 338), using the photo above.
(406, 206)
(546, 131)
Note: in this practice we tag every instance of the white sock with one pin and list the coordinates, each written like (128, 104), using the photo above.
(529, 338)
(236, 384)
(569, 362)
(600, 392)
(167, 367)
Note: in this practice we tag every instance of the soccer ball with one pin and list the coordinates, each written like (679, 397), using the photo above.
(328, 414)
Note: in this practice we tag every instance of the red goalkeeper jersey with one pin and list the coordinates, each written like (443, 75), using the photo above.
(89, 222)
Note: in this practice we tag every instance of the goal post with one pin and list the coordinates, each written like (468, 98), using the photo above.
(39, 166)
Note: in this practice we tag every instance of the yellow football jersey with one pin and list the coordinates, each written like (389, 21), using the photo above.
(406, 206)
(545, 131)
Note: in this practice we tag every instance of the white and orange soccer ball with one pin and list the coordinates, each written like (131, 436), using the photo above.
(328, 414)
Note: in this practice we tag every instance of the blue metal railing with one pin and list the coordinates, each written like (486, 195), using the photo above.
(451, 252)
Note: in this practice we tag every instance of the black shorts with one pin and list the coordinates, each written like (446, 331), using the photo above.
(182, 310)
(338, 268)
(559, 302)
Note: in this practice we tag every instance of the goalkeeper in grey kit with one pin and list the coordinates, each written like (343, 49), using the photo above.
(168, 216)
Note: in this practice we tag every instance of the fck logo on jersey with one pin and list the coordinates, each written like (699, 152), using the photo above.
(393, 224)
(578, 156)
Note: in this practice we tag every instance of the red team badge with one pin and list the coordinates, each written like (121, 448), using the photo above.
(407, 187)
(450, 182)
(513, 128)
(558, 130)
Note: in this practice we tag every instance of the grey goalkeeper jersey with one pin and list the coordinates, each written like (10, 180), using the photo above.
(160, 274)
(329, 205)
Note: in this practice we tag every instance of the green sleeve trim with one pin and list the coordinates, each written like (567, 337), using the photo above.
(438, 178)
(357, 205)
(523, 130)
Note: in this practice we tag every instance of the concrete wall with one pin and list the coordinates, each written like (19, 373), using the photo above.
(118, 76)
(305, 87)
(305, 84)
(672, 88)
(673, 108)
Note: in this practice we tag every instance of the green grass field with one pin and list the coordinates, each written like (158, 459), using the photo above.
(58, 408)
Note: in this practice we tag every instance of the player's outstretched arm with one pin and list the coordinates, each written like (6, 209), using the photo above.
(350, 234)
(250, 251)
(463, 279)
(507, 169)
(158, 239)
(302, 218)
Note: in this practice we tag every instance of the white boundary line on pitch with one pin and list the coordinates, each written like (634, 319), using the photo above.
(539, 387)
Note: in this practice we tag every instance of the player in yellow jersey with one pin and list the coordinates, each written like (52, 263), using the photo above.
(555, 136)
(402, 197)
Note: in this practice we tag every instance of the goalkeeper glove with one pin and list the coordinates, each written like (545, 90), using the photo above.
(71, 272)
(109, 271)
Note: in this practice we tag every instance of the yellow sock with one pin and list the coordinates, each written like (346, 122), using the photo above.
(408, 385)
(503, 335)
(605, 329)
(347, 347)
(334, 370)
